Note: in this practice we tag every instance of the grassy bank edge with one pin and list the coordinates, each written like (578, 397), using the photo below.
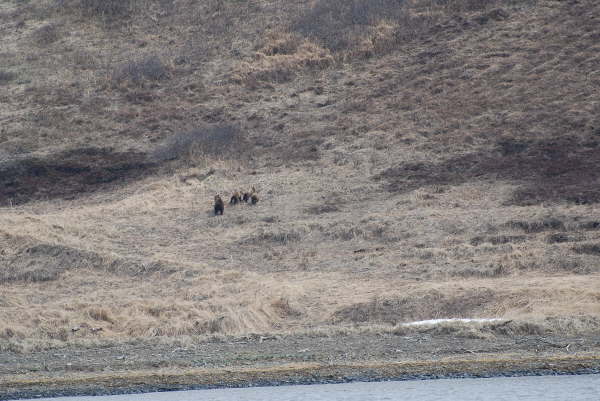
(21, 386)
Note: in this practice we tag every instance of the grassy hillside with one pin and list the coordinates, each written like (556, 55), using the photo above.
(414, 159)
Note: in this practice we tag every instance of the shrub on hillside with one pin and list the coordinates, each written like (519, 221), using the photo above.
(368, 26)
(6, 77)
(46, 35)
(150, 68)
(83, 59)
(462, 5)
(334, 22)
(107, 9)
(219, 141)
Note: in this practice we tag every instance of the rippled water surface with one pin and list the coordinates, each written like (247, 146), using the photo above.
(534, 388)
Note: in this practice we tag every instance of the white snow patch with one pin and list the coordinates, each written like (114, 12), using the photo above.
(438, 321)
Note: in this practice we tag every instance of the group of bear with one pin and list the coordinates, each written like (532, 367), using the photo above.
(237, 197)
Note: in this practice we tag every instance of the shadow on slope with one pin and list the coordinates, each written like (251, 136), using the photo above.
(561, 169)
(69, 174)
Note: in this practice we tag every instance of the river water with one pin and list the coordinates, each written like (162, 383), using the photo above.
(529, 388)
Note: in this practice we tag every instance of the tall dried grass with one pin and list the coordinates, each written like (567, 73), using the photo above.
(280, 58)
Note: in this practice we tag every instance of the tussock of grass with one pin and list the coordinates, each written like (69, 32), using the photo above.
(276, 237)
(109, 11)
(146, 69)
(281, 57)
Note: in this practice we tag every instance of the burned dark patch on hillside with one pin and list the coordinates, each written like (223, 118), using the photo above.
(564, 169)
(69, 174)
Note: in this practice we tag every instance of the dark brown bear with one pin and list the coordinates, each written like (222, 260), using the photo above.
(219, 205)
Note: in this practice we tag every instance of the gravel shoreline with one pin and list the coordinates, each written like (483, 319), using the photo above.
(142, 382)
(147, 365)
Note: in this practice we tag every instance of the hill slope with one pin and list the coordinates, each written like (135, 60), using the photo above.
(413, 159)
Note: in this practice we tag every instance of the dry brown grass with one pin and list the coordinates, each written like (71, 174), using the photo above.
(441, 163)
(281, 57)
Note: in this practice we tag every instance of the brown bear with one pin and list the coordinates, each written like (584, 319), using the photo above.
(219, 205)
